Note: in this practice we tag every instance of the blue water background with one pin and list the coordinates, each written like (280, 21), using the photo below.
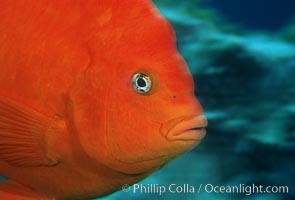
(263, 14)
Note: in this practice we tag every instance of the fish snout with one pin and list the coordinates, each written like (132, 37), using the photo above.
(190, 128)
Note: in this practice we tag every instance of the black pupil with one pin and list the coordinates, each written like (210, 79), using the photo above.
(141, 82)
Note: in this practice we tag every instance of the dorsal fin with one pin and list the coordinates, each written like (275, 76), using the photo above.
(23, 133)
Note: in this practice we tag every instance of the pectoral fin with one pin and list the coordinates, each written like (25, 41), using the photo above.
(13, 191)
(23, 135)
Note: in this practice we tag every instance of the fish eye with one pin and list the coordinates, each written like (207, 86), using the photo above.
(141, 83)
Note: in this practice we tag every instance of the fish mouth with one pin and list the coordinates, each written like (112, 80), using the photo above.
(190, 128)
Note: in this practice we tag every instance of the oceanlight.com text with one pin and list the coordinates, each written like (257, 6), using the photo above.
(207, 188)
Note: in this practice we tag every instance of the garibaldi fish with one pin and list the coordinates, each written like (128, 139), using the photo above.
(93, 95)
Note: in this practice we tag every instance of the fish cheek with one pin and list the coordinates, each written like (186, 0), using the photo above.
(131, 132)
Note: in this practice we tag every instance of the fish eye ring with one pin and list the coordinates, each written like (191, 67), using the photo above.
(141, 83)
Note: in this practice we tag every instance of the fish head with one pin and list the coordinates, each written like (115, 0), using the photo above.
(149, 128)
(153, 114)
(150, 113)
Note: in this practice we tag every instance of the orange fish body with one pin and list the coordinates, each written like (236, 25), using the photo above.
(93, 95)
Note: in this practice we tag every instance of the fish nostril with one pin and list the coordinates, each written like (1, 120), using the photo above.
(174, 97)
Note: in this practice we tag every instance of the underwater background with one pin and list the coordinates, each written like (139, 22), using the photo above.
(242, 57)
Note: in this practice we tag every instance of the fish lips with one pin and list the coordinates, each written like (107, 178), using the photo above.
(190, 128)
